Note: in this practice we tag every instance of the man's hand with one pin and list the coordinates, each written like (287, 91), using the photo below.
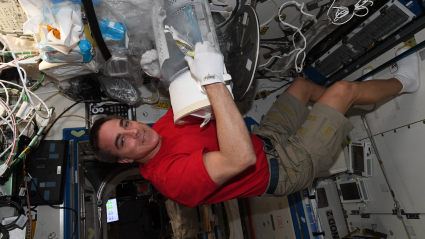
(207, 66)
(150, 64)
(236, 151)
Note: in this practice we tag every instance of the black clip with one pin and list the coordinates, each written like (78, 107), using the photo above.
(355, 212)
(412, 215)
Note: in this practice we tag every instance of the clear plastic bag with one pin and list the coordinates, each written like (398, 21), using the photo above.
(66, 71)
(121, 89)
(121, 65)
(74, 88)
(135, 17)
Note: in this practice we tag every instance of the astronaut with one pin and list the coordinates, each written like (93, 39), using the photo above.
(222, 160)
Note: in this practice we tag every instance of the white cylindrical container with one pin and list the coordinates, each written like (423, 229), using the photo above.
(189, 103)
(193, 20)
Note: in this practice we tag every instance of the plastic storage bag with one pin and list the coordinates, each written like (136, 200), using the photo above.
(121, 65)
(63, 71)
(121, 89)
(82, 52)
(135, 18)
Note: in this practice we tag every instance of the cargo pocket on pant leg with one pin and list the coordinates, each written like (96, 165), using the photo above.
(302, 174)
(288, 170)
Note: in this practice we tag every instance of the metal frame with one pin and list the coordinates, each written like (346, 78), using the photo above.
(404, 34)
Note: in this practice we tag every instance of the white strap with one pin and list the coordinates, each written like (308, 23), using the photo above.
(207, 119)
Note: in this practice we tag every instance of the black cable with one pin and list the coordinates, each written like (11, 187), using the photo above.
(271, 77)
(57, 118)
(321, 11)
(272, 91)
(56, 207)
(15, 205)
(36, 189)
(44, 134)
(265, 93)
(34, 122)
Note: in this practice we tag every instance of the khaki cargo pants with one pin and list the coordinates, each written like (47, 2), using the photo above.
(302, 141)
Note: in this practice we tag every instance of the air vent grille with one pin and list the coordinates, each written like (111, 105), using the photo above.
(336, 59)
(363, 188)
(378, 28)
(360, 42)
(369, 167)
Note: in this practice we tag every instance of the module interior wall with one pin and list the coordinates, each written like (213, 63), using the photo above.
(398, 125)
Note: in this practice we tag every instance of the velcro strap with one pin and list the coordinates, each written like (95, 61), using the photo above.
(274, 175)
(268, 145)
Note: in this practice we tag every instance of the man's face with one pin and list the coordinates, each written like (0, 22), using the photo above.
(128, 139)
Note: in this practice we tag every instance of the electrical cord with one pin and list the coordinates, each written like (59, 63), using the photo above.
(79, 116)
(263, 94)
(48, 98)
(10, 118)
(28, 199)
(272, 77)
(66, 110)
(51, 125)
(56, 207)
(342, 12)
(24, 80)
(15, 205)
(280, 87)
(297, 30)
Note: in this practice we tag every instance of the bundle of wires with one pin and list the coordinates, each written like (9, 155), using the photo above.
(25, 99)
(12, 120)
(297, 30)
(341, 12)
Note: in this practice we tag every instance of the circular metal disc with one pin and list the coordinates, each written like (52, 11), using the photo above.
(241, 54)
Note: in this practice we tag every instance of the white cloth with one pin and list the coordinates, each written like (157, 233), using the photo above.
(65, 16)
(150, 64)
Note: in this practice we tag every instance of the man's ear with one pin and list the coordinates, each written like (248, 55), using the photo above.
(125, 160)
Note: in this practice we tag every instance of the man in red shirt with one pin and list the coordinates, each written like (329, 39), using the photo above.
(193, 165)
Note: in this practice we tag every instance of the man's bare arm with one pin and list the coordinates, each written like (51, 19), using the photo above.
(236, 151)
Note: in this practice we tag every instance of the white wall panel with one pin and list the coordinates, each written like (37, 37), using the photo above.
(401, 148)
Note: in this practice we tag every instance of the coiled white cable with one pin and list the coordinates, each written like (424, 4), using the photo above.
(10, 119)
(24, 86)
(298, 50)
(342, 12)
(265, 64)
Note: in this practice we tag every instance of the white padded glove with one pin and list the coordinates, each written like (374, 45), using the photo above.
(150, 64)
(207, 66)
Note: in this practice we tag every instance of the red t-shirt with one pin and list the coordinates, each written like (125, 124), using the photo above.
(178, 169)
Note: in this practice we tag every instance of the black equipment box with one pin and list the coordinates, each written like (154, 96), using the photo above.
(48, 171)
